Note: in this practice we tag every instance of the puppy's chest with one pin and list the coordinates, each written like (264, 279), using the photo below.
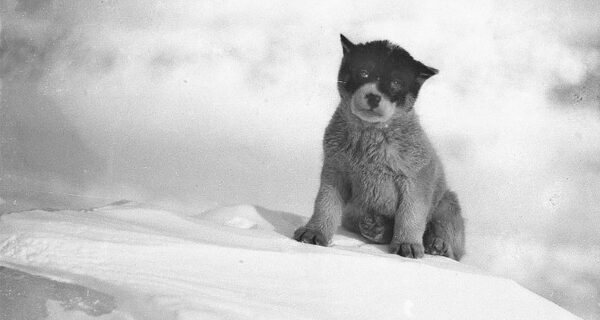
(375, 173)
(374, 156)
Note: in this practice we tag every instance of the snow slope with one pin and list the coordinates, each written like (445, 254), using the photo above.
(239, 263)
(197, 103)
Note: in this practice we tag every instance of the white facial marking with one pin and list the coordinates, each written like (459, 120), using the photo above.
(360, 107)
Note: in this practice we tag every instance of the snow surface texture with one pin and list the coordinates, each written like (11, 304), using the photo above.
(192, 104)
(239, 263)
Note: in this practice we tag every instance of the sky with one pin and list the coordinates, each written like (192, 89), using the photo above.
(192, 105)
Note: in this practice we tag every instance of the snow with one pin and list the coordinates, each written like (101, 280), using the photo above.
(239, 263)
(194, 105)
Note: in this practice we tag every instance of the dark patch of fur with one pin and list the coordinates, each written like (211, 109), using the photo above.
(385, 62)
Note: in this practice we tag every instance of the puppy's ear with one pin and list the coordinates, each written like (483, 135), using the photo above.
(424, 72)
(347, 45)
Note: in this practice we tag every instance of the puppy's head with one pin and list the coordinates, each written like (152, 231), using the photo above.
(379, 80)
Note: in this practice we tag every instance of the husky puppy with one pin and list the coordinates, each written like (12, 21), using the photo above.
(381, 177)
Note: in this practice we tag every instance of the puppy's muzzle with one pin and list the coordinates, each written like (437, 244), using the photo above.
(373, 100)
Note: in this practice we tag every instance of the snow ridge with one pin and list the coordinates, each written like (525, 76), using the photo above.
(208, 267)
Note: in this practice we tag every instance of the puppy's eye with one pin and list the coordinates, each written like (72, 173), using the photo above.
(363, 73)
(396, 84)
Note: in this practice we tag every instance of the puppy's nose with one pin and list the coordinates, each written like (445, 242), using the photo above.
(373, 100)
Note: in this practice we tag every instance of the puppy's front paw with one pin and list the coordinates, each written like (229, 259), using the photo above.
(408, 250)
(306, 235)
(437, 246)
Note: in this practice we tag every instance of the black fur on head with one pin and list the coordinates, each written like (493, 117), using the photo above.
(392, 68)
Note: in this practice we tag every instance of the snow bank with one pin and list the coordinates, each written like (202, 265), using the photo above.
(191, 104)
(239, 263)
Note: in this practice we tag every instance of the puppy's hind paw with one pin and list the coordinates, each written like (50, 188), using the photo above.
(376, 228)
(306, 235)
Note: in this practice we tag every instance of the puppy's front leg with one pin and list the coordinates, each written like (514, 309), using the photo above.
(410, 222)
(327, 212)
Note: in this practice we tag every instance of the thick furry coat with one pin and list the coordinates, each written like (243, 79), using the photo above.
(381, 176)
